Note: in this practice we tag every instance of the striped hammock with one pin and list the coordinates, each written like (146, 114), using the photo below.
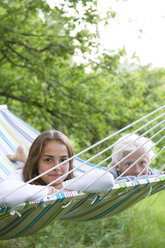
(27, 217)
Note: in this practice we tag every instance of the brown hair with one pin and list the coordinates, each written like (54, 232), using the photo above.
(30, 169)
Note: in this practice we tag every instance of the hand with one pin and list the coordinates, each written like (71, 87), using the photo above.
(59, 186)
(54, 189)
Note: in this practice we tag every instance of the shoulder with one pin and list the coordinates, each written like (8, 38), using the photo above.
(113, 171)
(154, 171)
(16, 175)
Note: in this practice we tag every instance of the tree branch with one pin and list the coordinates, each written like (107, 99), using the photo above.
(1, 59)
(36, 35)
(84, 102)
(35, 103)
(22, 66)
(90, 78)
(109, 70)
(43, 49)
(20, 55)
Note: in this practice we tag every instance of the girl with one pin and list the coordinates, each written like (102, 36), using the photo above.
(48, 150)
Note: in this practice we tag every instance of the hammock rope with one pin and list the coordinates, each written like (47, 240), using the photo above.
(27, 217)
(119, 160)
(95, 166)
(161, 170)
(122, 174)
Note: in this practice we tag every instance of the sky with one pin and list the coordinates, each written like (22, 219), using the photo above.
(139, 26)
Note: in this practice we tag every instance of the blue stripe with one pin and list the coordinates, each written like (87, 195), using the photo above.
(1, 179)
(4, 169)
(4, 151)
(29, 138)
(60, 196)
(24, 123)
(7, 141)
(93, 165)
(83, 171)
(4, 209)
(148, 181)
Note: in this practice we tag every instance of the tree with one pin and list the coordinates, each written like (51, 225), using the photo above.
(42, 83)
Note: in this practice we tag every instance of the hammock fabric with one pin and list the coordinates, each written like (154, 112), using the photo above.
(28, 217)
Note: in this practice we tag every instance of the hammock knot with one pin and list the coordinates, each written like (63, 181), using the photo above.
(65, 206)
(13, 212)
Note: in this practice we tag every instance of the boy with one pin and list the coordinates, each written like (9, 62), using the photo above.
(128, 150)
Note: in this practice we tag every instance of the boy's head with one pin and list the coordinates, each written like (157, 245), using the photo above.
(126, 145)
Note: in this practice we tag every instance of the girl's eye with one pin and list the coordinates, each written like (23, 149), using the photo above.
(48, 160)
(63, 159)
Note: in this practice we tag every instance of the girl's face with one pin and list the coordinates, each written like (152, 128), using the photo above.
(52, 154)
(137, 167)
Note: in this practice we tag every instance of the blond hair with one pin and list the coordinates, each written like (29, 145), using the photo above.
(131, 142)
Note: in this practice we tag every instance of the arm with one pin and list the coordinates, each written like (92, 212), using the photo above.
(132, 178)
(99, 179)
(14, 190)
(155, 172)
(126, 179)
(22, 192)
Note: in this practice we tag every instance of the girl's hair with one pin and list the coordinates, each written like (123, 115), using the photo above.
(129, 143)
(30, 169)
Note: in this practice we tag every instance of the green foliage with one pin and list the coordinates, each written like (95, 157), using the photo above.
(41, 82)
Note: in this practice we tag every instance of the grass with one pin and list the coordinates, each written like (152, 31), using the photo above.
(146, 227)
(140, 226)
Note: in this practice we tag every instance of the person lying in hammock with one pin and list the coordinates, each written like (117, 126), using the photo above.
(48, 150)
(128, 150)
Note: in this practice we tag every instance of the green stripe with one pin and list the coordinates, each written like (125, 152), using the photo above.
(5, 215)
(117, 205)
(41, 214)
(52, 217)
(11, 133)
(80, 203)
(103, 205)
(130, 203)
(15, 223)
(113, 197)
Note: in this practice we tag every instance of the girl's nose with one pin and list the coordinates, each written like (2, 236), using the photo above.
(55, 164)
